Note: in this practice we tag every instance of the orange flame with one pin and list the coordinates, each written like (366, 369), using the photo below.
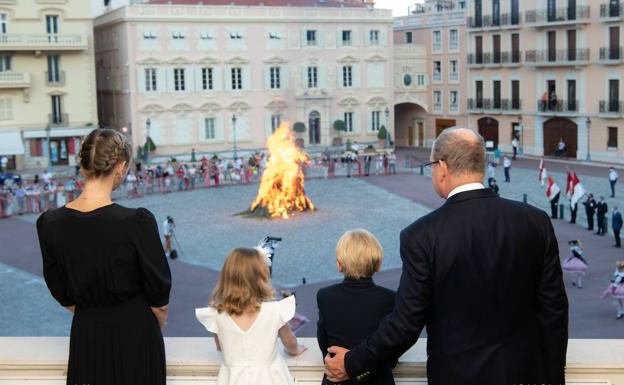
(281, 190)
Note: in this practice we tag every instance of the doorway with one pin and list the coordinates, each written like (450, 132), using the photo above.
(560, 128)
(488, 129)
(314, 123)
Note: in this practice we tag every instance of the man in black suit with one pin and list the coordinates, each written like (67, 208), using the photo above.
(601, 212)
(483, 274)
(590, 209)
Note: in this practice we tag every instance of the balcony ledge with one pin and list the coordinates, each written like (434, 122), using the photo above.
(43, 360)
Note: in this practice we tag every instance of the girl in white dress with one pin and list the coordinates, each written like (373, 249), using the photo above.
(246, 322)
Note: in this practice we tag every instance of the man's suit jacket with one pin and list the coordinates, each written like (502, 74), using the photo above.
(348, 313)
(483, 274)
(602, 208)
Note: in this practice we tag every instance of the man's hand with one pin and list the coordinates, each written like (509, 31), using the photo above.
(335, 366)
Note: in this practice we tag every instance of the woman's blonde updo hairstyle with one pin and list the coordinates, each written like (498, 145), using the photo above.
(101, 151)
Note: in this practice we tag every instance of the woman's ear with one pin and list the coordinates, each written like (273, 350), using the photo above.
(339, 266)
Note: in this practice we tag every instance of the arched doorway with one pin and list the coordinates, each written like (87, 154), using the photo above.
(560, 128)
(314, 124)
(409, 125)
(488, 128)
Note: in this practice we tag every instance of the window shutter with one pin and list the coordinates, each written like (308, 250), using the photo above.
(369, 121)
(247, 80)
(284, 77)
(267, 77)
(161, 79)
(356, 76)
(383, 37)
(189, 79)
(141, 80)
(356, 122)
(228, 78)
(322, 73)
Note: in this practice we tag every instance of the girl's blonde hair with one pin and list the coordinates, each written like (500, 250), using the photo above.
(243, 283)
(619, 265)
(359, 253)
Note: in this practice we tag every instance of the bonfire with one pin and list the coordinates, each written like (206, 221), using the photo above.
(281, 192)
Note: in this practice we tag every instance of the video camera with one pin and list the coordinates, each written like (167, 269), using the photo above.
(269, 244)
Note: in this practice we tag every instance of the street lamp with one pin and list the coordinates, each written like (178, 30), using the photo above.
(588, 123)
(387, 127)
(47, 130)
(521, 127)
(235, 154)
(148, 145)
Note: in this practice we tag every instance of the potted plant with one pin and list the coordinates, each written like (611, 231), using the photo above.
(339, 126)
(299, 128)
(382, 135)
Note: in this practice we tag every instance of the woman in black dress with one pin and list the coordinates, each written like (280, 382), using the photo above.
(105, 263)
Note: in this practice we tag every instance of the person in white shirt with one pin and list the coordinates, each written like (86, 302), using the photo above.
(491, 173)
(613, 177)
(515, 143)
(4, 161)
(168, 227)
(47, 177)
(507, 167)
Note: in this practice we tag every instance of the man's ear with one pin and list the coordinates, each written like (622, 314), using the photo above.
(339, 266)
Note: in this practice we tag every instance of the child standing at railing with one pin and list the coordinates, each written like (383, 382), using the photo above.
(616, 289)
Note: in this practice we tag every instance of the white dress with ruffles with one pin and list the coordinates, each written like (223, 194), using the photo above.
(251, 357)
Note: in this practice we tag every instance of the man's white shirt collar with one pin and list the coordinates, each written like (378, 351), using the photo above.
(466, 187)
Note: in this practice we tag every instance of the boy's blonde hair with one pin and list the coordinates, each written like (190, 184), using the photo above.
(619, 265)
(243, 283)
(359, 253)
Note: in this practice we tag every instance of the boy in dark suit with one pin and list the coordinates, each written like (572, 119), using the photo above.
(350, 311)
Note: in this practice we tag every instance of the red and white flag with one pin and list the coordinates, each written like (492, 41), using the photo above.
(543, 174)
(552, 189)
(575, 189)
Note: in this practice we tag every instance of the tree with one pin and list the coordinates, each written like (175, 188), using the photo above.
(299, 127)
(339, 125)
(149, 145)
(383, 133)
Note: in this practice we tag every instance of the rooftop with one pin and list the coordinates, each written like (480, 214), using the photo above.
(270, 3)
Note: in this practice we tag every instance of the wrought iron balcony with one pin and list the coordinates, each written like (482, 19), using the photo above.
(610, 55)
(502, 21)
(610, 107)
(42, 42)
(55, 79)
(559, 57)
(58, 120)
(557, 16)
(612, 11)
(481, 104)
(511, 58)
(494, 59)
(511, 105)
(558, 106)
(14, 80)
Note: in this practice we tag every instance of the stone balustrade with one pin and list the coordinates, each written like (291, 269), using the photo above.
(43, 361)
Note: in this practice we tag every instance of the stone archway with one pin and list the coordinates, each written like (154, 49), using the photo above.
(409, 125)
(488, 128)
(314, 127)
(560, 128)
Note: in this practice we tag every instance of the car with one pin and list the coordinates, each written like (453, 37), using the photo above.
(14, 177)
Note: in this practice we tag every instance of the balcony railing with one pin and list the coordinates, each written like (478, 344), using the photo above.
(494, 59)
(494, 105)
(55, 79)
(557, 106)
(572, 56)
(479, 104)
(613, 55)
(454, 77)
(437, 107)
(611, 107)
(554, 16)
(511, 105)
(10, 79)
(505, 20)
(611, 11)
(27, 42)
(511, 57)
(58, 120)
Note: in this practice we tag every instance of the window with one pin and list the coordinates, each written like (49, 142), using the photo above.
(237, 78)
(54, 73)
(6, 110)
(613, 137)
(178, 35)
(150, 79)
(409, 37)
(454, 100)
(407, 80)
(453, 40)
(5, 63)
(347, 76)
(437, 71)
(420, 80)
(57, 111)
(374, 37)
(276, 120)
(275, 80)
(346, 37)
(209, 129)
(454, 71)
(236, 36)
(52, 24)
(149, 35)
(207, 78)
(206, 36)
(376, 120)
(311, 37)
(178, 79)
(437, 41)
(437, 101)
(312, 77)
(348, 120)
(3, 23)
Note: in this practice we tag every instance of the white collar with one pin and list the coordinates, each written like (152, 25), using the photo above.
(466, 187)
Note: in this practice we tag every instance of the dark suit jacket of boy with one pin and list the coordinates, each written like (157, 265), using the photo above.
(348, 313)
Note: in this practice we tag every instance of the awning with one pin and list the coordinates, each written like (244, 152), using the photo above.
(56, 132)
(11, 143)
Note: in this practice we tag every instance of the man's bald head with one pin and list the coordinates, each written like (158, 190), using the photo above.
(463, 151)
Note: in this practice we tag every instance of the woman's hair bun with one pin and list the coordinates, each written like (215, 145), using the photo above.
(101, 151)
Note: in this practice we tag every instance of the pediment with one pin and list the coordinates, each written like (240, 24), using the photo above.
(152, 109)
(376, 59)
(210, 108)
(150, 61)
(179, 61)
(208, 61)
(239, 106)
(237, 61)
(276, 105)
(377, 102)
(348, 103)
(348, 59)
(182, 107)
(276, 60)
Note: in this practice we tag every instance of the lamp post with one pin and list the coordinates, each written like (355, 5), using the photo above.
(521, 127)
(235, 152)
(588, 123)
(387, 127)
(148, 145)
(47, 130)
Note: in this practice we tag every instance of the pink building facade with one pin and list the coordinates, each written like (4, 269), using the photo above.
(190, 69)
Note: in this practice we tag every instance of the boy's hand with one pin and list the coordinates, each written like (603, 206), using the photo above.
(299, 351)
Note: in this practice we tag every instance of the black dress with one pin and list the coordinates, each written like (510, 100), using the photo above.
(110, 263)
